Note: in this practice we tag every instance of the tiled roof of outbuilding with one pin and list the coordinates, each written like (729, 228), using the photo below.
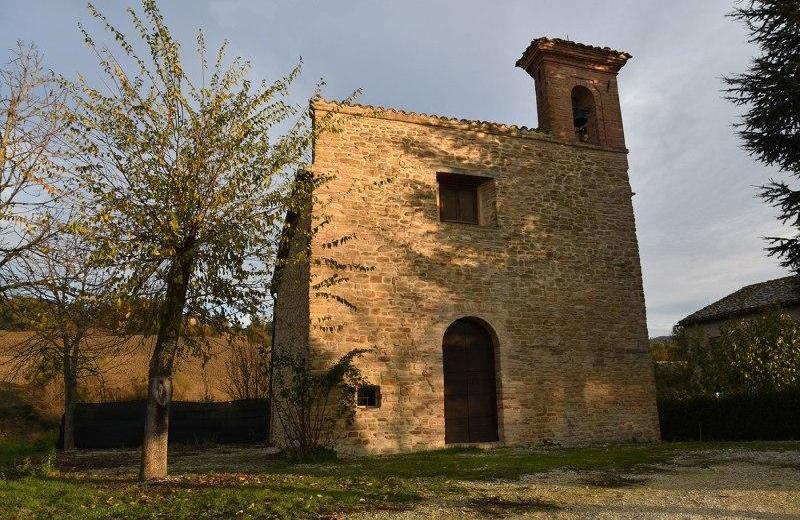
(749, 299)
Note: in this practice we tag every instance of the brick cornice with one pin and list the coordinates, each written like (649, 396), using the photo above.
(573, 53)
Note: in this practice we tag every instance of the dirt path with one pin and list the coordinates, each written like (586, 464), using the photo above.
(734, 484)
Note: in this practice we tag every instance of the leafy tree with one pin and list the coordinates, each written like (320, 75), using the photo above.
(665, 349)
(683, 364)
(760, 354)
(15, 309)
(770, 91)
(32, 125)
(674, 362)
(754, 355)
(188, 186)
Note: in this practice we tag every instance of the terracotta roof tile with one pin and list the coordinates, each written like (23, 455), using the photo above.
(419, 117)
(607, 53)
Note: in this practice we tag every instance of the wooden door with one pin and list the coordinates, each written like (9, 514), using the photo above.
(470, 394)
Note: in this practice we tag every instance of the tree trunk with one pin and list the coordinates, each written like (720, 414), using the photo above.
(70, 389)
(156, 428)
(71, 360)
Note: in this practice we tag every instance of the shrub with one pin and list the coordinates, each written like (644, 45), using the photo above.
(310, 404)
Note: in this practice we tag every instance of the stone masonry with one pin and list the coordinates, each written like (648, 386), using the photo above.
(551, 270)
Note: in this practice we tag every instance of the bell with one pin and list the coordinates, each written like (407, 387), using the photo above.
(580, 116)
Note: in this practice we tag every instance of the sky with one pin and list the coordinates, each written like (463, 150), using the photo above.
(698, 221)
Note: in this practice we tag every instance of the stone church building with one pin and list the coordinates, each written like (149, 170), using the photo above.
(504, 304)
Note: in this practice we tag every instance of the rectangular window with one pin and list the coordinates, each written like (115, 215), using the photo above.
(458, 198)
(369, 396)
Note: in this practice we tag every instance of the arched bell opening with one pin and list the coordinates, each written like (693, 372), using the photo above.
(584, 115)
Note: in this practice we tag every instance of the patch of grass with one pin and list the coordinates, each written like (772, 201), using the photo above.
(97, 460)
(78, 487)
(500, 463)
(454, 463)
(317, 455)
(56, 498)
(15, 454)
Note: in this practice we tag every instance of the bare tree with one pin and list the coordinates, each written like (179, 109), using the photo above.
(32, 124)
(247, 370)
(62, 298)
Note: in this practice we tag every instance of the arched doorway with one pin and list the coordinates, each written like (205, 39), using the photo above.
(470, 393)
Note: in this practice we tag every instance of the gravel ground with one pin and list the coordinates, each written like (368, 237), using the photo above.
(727, 484)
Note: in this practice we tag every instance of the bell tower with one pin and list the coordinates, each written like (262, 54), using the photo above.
(576, 90)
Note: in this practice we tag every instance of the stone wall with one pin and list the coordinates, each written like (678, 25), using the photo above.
(291, 312)
(554, 274)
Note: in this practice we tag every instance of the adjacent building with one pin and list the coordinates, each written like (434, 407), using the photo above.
(749, 301)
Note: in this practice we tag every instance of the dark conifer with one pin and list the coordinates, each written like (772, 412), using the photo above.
(770, 92)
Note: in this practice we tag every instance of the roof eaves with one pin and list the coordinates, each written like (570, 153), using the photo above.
(708, 314)
(556, 45)
(420, 117)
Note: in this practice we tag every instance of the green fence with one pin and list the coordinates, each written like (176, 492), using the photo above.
(121, 424)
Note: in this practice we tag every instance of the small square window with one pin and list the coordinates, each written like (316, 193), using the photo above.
(369, 396)
(458, 198)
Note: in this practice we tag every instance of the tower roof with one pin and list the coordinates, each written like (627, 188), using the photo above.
(604, 58)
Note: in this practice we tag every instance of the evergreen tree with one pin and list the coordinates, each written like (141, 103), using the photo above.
(770, 92)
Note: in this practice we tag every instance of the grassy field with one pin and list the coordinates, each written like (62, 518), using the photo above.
(228, 482)
(124, 374)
